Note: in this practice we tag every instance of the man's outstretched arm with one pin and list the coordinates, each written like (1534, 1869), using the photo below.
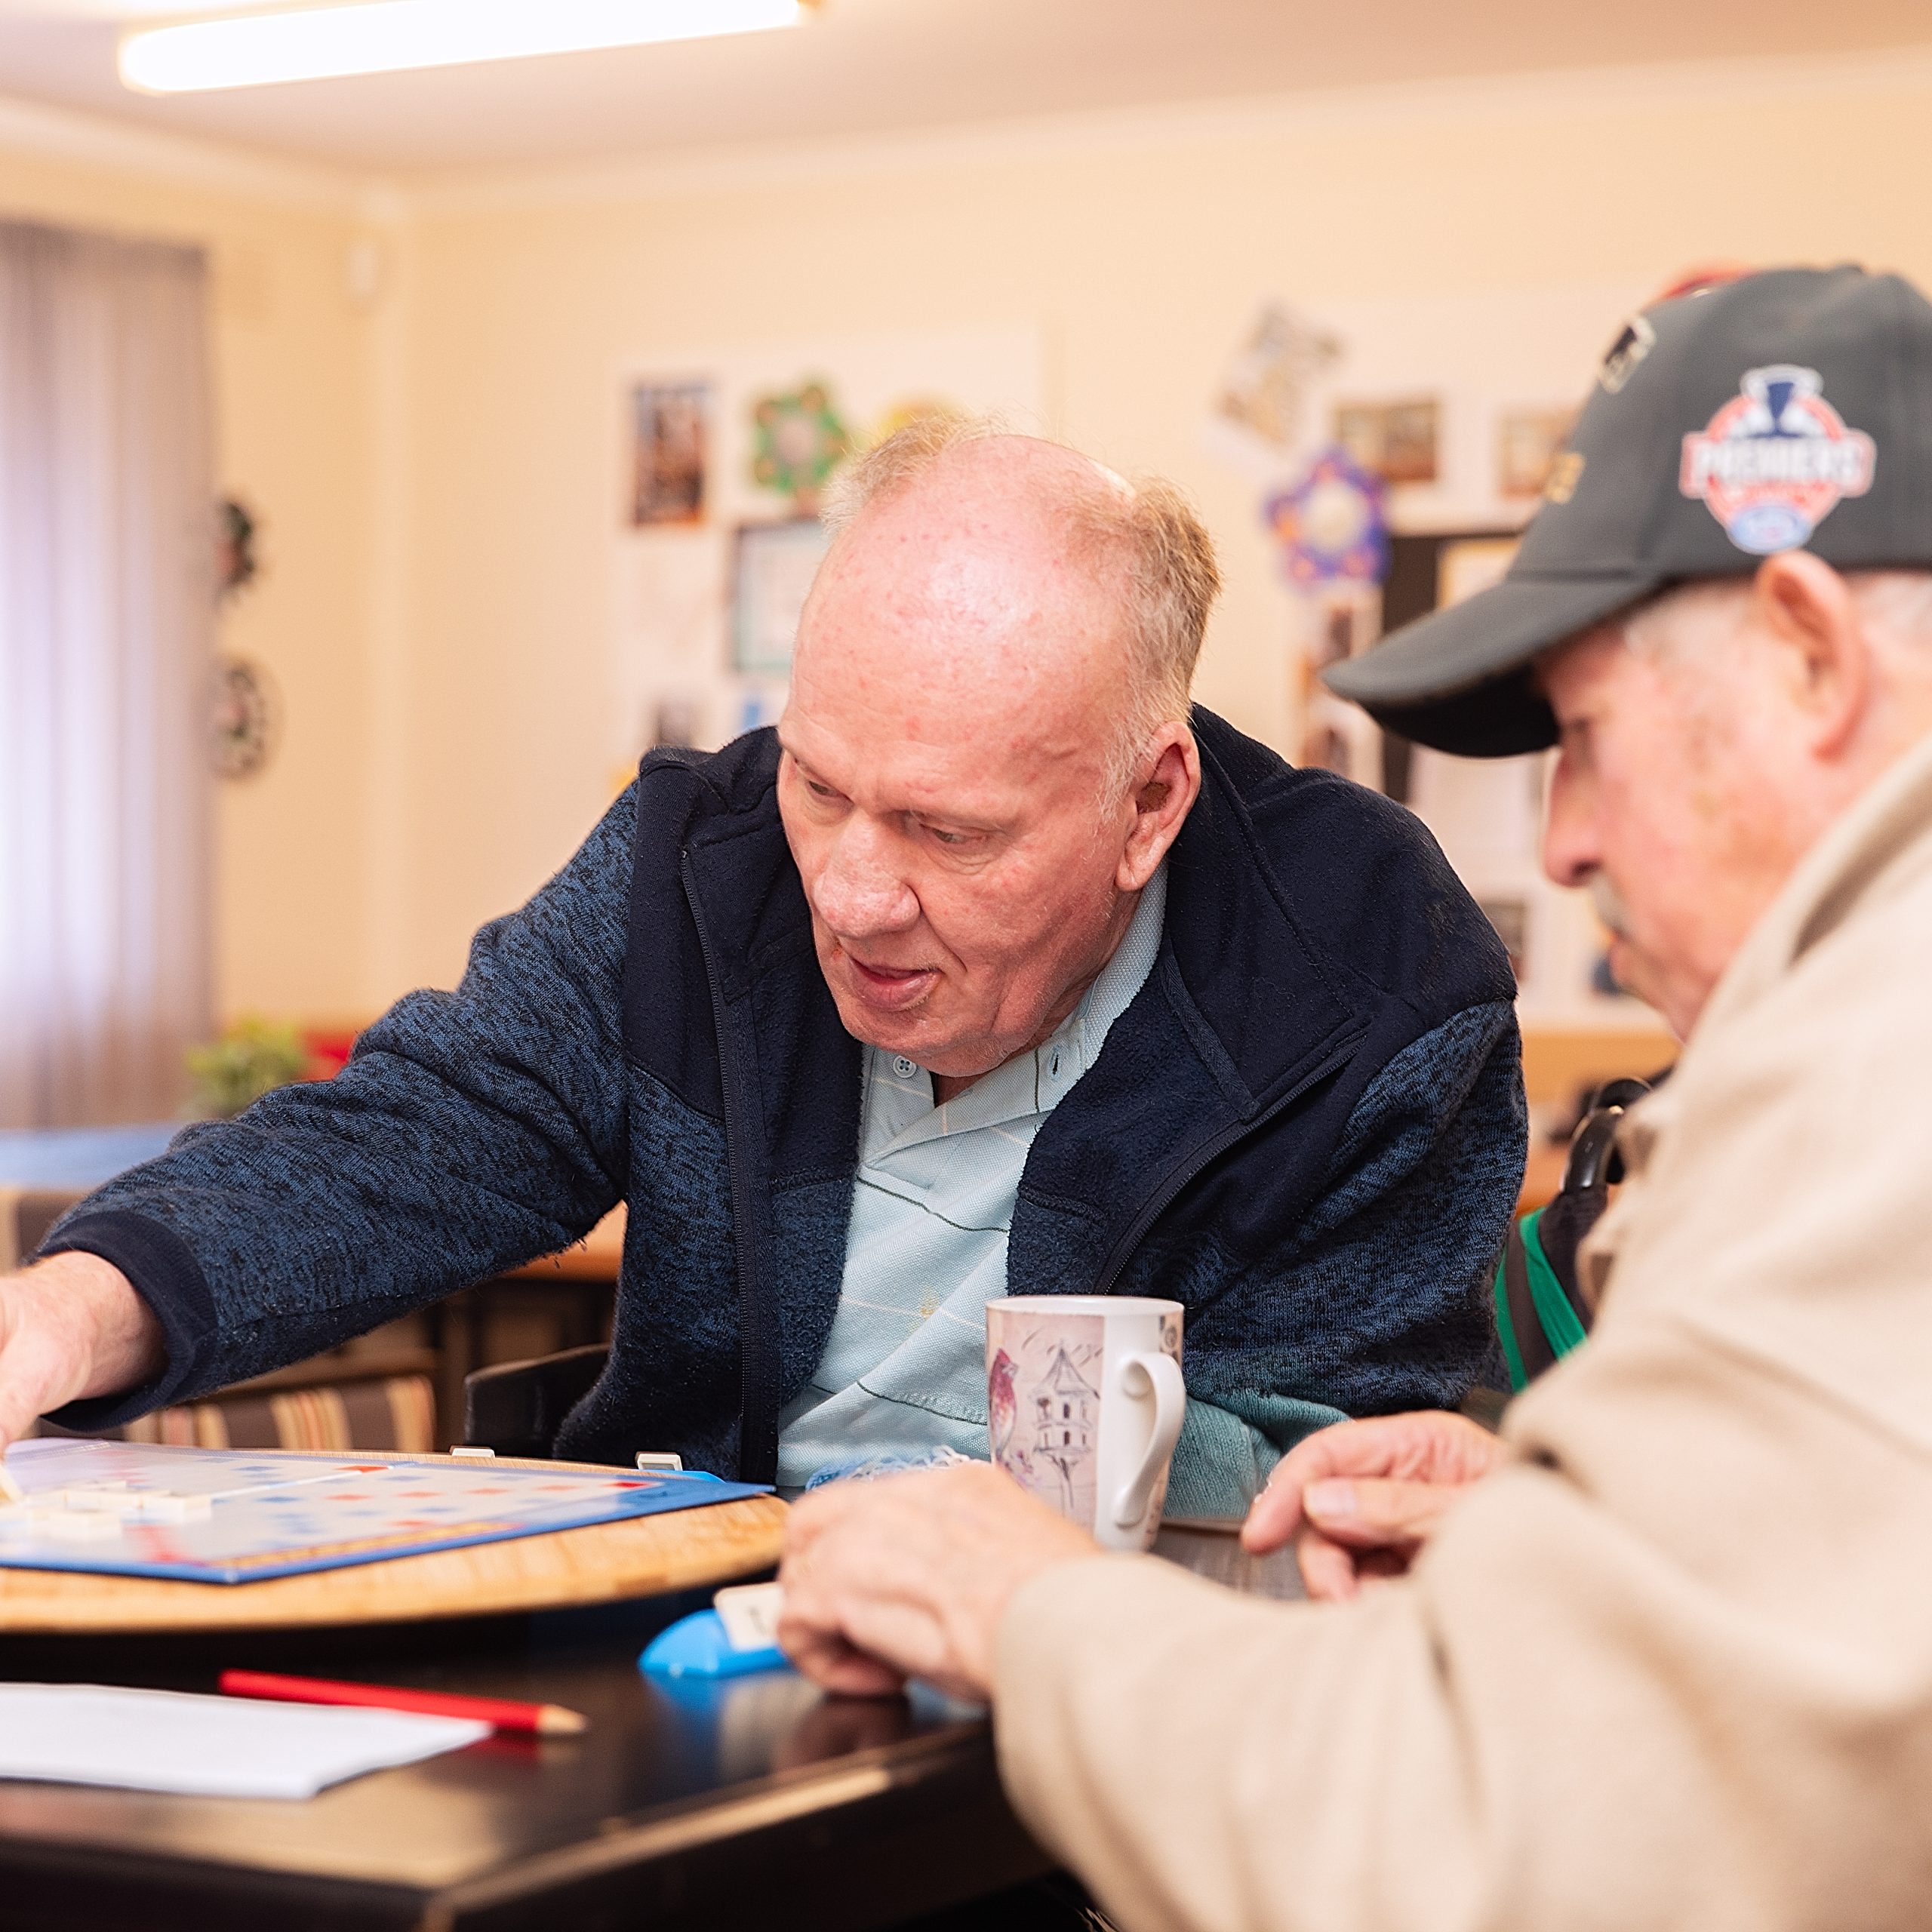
(470, 1131)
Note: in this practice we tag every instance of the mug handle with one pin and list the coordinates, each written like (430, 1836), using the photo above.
(1137, 1373)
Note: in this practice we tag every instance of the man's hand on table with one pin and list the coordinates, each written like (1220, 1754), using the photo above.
(1361, 1498)
(909, 1576)
(70, 1326)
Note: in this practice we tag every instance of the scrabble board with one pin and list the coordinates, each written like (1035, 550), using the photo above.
(239, 1516)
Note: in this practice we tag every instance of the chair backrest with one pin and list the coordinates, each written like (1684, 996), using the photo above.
(517, 1407)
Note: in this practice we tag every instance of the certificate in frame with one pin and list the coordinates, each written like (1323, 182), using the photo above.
(772, 567)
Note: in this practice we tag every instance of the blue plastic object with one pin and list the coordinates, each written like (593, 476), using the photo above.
(696, 1646)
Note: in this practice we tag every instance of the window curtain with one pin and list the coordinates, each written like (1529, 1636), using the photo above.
(107, 600)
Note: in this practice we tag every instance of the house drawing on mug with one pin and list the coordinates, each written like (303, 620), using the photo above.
(1043, 1411)
(1064, 1421)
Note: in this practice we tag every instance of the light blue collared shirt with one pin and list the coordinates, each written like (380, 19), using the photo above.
(904, 1369)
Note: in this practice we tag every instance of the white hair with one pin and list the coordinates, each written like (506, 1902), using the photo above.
(1894, 606)
(1141, 539)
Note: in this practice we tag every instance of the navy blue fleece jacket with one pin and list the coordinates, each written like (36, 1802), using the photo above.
(1308, 1127)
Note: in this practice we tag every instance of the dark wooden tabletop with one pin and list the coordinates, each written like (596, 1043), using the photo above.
(745, 1802)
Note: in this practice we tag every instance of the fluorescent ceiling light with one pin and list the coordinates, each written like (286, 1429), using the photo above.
(386, 36)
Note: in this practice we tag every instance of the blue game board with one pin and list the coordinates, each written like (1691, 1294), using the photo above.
(238, 1516)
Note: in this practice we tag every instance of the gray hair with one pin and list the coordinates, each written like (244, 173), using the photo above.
(1142, 538)
(1895, 605)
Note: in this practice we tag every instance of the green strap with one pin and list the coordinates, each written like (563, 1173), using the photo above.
(1558, 1319)
(1553, 1309)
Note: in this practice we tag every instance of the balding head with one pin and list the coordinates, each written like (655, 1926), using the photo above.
(982, 769)
(1138, 545)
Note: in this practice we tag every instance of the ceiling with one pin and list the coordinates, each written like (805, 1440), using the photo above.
(875, 66)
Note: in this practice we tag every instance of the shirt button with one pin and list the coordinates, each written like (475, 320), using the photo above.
(904, 1068)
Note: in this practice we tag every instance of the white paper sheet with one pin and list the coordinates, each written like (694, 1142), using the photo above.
(207, 1747)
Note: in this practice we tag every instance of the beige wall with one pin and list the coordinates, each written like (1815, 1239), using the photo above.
(291, 387)
(1142, 258)
(438, 478)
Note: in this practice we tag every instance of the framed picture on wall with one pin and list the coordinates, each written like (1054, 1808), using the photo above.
(772, 569)
(1397, 441)
(669, 424)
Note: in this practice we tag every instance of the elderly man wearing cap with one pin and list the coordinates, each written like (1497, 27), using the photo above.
(1669, 1662)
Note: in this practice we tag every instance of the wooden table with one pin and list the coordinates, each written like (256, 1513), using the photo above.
(747, 1803)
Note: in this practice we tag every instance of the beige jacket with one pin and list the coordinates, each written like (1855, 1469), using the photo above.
(1673, 1668)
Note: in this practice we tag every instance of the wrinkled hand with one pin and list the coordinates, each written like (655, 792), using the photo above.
(70, 1326)
(1361, 1498)
(909, 1576)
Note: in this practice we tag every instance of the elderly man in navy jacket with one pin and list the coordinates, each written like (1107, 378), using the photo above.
(995, 968)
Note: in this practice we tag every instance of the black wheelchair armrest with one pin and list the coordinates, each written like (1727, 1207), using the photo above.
(517, 1407)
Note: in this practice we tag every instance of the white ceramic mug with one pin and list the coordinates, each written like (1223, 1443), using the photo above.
(1084, 1401)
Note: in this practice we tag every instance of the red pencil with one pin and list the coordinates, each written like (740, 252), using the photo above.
(551, 1720)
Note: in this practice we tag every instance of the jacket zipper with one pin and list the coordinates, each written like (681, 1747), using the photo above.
(1186, 1170)
(757, 1461)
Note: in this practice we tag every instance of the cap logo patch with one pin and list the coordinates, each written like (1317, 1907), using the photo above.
(1772, 463)
(1635, 341)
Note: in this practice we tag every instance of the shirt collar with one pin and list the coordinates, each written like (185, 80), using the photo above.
(898, 1109)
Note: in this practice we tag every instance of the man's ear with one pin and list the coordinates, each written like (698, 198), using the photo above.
(1165, 788)
(1808, 608)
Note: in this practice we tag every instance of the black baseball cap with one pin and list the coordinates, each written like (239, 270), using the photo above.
(1787, 410)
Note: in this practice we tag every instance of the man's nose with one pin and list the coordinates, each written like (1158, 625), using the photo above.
(1570, 856)
(860, 890)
